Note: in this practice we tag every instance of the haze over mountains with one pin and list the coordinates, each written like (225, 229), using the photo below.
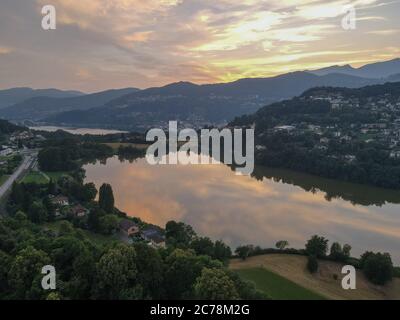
(12, 96)
(39, 107)
(191, 104)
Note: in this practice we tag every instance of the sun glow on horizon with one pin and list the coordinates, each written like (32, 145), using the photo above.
(121, 43)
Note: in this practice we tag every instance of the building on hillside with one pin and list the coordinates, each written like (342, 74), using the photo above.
(128, 227)
(284, 128)
(154, 237)
(61, 201)
(79, 211)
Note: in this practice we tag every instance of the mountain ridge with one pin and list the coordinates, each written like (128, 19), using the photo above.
(15, 95)
(200, 105)
(36, 108)
(376, 70)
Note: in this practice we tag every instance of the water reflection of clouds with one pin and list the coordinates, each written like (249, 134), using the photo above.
(240, 209)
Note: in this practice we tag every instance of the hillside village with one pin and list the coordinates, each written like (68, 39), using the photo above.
(379, 124)
(340, 133)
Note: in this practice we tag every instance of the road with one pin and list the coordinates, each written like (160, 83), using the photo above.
(29, 158)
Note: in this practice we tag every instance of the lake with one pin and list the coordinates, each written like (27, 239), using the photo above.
(79, 131)
(271, 205)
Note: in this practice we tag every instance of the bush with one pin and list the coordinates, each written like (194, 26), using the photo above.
(312, 264)
(377, 267)
(244, 251)
(317, 246)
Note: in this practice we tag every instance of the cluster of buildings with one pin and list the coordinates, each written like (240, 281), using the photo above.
(63, 207)
(384, 129)
(152, 235)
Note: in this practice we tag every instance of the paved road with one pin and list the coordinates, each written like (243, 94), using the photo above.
(29, 158)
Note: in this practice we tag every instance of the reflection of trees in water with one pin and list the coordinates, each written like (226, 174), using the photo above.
(355, 193)
(129, 158)
(333, 189)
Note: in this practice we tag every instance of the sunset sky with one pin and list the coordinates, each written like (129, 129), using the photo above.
(102, 44)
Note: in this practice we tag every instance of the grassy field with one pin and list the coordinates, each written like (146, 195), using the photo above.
(277, 287)
(3, 178)
(55, 175)
(293, 268)
(35, 177)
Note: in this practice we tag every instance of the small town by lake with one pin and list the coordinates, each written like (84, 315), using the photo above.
(79, 131)
(270, 205)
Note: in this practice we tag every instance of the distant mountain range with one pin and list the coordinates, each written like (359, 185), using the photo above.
(38, 108)
(191, 104)
(376, 70)
(199, 105)
(12, 96)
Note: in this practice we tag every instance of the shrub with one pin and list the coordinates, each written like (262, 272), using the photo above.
(317, 246)
(377, 267)
(312, 264)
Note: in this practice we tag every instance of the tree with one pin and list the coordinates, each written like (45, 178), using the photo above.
(336, 252)
(203, 245)
(37, 212)
(51, 187)
(108, 224)
(182, 269)
(25, 269)
(89, 192)
(53, 296)
(214, 284)
(312, 264)
(94, 219)
(282, 244)
(51, 209)
(17, 193)
(246, 289)
(5, 261)
(222, 252)
(106, 198)
(317, 246)
(115, 272)
(65, 228)
(150, 271)
(244, 251)
(178, 234)
(346, 250)
(377, 267)
(83, 270)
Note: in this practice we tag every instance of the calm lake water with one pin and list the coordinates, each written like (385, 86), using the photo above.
(270, 206)
(80, 131)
